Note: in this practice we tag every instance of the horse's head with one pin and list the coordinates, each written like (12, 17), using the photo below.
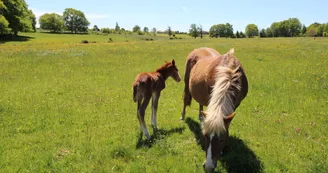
(215, 143)
(172, 71)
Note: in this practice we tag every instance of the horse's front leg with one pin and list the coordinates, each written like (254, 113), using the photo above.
(154, 106)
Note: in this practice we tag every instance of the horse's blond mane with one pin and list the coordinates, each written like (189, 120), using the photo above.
(221, 103)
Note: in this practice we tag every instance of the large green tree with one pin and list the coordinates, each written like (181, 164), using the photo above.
(33, 20)
(75, 20)
(229, 30)
(136, 28)
(154, 31)
(287, 28)
(169, 31)
(221, 30)
(263, 33)
(145, 29)
(312, 30)
(53, 22)
(117, 28)
(4, 24)
(294, 27)
(16, 14)
(251, 30)
(193, 31)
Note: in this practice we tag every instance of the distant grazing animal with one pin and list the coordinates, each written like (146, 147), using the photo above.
(149, 85)
(218, 82)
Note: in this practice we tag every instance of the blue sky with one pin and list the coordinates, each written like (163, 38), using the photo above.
(180, 14)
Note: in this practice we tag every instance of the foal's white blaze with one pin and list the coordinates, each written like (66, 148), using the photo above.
(209, 164)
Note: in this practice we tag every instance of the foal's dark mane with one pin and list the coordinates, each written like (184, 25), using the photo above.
(164, 69)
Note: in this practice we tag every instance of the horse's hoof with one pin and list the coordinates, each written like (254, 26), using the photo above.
(182, 118)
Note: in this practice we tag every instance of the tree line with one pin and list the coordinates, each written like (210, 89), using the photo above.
(16, 17)
(291, 27)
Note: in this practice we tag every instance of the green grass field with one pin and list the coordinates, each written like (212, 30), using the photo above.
(68, 107)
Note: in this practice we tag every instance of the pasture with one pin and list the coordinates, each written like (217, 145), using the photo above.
(68, 107)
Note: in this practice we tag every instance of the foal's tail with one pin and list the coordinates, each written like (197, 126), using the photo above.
(135, 91)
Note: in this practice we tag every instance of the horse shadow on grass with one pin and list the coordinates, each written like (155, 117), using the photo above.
(237, 157)
(157, 135)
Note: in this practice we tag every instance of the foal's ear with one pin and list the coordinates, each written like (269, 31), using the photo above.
(229, 118)
(204, 114)
(173, 62)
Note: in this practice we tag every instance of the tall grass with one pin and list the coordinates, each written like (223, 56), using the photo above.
(67, 107)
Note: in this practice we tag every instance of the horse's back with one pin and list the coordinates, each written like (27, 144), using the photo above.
(197, 54)
(203, 75)
(201, 80)
(149, 82)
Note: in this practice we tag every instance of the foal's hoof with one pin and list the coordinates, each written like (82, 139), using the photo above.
(182, 118)
(154, 127)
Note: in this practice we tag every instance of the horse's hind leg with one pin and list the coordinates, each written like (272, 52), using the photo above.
(141, 116)
(186, 93)
(154, 107)
(186, 102)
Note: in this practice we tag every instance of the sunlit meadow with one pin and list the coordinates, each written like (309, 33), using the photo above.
(68, 107)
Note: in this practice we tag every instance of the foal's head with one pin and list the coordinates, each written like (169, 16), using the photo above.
(170, 69)
(215, 142)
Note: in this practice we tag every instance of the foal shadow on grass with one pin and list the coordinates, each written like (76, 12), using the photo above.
(158, 134)
(237, 157)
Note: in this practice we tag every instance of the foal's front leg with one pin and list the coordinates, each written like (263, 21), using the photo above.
(154, 107)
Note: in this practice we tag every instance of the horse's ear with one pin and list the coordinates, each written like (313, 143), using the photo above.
(231, 51)
(204, 114)
(173, 62)
(229, 118)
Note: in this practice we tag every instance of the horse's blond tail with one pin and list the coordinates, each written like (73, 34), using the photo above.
(221, 103)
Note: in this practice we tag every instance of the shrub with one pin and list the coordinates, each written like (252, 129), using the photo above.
(325, 34)
(84, 41)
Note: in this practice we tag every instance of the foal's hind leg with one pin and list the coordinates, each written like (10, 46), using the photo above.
(154, 107)
(141, 115)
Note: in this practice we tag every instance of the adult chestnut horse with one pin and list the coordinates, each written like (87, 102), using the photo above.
(149, 85)
(192, 59)
(218, 82)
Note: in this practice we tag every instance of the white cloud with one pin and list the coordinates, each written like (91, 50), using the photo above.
(39, 13)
